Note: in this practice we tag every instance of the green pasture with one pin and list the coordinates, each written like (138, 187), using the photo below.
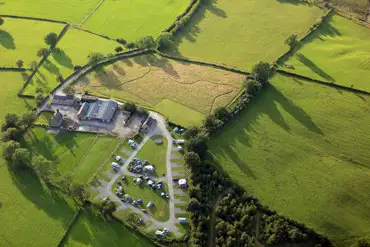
(31, 214)
(134, 19)
(302, 149)
(21, 39)
(155, 154)
(337, 52)
(160, 211)
(244, 32)
(92, 229)
(74, 48)
(72, 11)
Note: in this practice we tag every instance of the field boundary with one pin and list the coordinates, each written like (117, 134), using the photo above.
(69, 227)
(91, 12)
(44, 58)
(354, 19)
(93, 33)
(33, 19)
(14, 69)
(330, 84)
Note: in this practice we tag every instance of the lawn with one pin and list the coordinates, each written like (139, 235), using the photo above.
(134, 19)
(244, 32)
(21, 39)
(31, 215)
(73, 11)
(93, 230)
(75, 46)
(155, 154)
(338, 52)
(165, 85)
(160, 211)
(307, 162)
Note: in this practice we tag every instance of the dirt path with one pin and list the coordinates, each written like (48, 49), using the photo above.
(211, 234)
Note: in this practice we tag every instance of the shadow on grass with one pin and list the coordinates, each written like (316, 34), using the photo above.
(62, 58)
(52, 68)
(238, 131)
(7, 40)
(313, 67)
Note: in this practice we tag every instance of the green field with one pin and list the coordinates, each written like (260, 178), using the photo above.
(134, 19)
(75, 46)
(338, 52)
(160, 211)
(21, 39)
(93, 230)
(78, 153)
(302, 149)
(31, 215)
(155, 154)
(73, 11)
(244, 32)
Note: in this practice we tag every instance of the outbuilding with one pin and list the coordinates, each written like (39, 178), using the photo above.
(182, 183)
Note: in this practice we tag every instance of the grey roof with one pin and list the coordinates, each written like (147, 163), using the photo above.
(56, 119)
(63, 97)
(101, 109)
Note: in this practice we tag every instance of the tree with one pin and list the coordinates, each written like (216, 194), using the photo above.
(129, 106)
(27, 118)
(43, 167)
(51, 39)
(194, 205)
(192, 132)
(211, 123)
(39, 98)
(361, 243)
(252, 87)
(60, 78)
(118, 49)
(11, 121)
(164, 41)
(130, 45)
(198, 145)
(42, 52)
(19, 63)
(261, 71)
(1, 21)
(9, 149)
(33, 65)
(192, 159)
(107, 207)
(11, 134)
(222, 113)
(95, 57)
(21, 158)
(64, 182)
(68, 89)
(79, 193)
(292, 41)
(146, 42)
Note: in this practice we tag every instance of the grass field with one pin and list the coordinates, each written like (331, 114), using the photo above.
(73, 11)
(134, 19)
(31, 215)
(160, 211)
(93, 230)
(78, 153)
(307, 162)
(245, 32)
(21, 39)
(155, 154)
(166, 85)
(75, 47)
(338, 52)
(356, 8)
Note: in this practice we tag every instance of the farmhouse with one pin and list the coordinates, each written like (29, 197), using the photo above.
(63, 99)
(100, 110)
(56, 120)
(148, 124)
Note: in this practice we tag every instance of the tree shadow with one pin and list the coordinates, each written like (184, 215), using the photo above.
(212, 7)
(52, 68)
(108, 79)
(62, 58)
(163, 64)
(118, 69)
(313, 67)
(7, 40)
(294, 2)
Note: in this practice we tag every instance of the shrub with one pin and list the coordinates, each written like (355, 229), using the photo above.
(42, 52)
(222, 114)
(252, 87)
(94, 57)
(122, 41)
(9, 149)
(165, 40)
(1, 21)
(262, 71)
(146, 42)
(129, 106)
(19, 63)
(118, 49)
(21, 159)
(130, 45)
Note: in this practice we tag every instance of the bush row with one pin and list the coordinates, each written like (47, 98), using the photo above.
(33, 18)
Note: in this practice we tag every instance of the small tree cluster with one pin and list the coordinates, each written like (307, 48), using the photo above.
(146, 42)
(292, 41)
(164, 41)
(94, 57)
(51, 39)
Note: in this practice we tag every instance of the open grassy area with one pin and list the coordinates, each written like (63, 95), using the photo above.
(338, 52)
(244, 32)
(73, 11)
(75, 46)
(31, 214)
(21, 39)
(160, 211)
(302, 149)
(134, 19)
(155, 154)
(165, 85)
(93, 230)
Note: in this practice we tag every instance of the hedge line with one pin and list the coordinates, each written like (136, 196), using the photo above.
(330, 84)
(96, 34)
(217, 66)
(69, 227)
(33, 18)
(42, 60)
(14, 69)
